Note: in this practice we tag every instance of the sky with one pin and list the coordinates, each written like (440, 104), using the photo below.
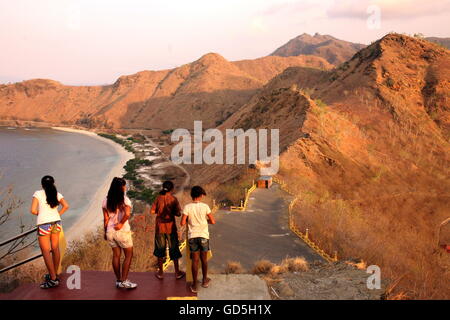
(79, 42)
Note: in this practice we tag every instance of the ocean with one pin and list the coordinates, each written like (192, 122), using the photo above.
(79, 163)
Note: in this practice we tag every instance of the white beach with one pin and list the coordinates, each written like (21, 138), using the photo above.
(93, 217)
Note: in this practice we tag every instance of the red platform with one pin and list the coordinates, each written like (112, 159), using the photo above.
(99, 285)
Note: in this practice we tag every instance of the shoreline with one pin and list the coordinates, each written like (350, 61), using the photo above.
(92, 218)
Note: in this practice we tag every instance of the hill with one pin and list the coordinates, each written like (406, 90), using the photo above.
(445, 42)
(209, 89)
(335, 51)
(366, 147)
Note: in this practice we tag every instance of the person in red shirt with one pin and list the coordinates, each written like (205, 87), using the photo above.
(166, 207)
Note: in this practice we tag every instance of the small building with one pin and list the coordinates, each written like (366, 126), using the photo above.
(264, 182)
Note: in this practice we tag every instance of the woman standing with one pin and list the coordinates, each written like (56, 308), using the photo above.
(116, 212)
(166, 207)
(45, 205)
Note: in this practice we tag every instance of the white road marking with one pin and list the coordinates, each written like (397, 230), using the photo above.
(278, 235)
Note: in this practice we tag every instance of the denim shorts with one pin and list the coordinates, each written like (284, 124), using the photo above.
(199, 244)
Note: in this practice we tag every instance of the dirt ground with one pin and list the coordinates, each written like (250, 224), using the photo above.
(324, 281)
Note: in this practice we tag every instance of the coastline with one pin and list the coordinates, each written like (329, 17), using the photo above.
(93, 218)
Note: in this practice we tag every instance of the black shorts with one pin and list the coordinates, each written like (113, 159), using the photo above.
(163, 240)
(199, 244)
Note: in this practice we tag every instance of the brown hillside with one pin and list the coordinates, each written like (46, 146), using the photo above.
(209, 89)
(335, 51)
(367, 150)
(445, 42)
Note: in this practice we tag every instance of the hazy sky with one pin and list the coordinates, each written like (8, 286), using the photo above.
(96, 41)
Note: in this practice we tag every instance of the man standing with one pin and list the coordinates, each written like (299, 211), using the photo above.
(197, 215)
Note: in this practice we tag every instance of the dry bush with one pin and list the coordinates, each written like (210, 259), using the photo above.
(233, 191)
(361, 265)
(277, 270)
(92, 252)
(234, 267)
(399, 296)
(32, 272)
(295, 264)
(377, 195)
(262, 267)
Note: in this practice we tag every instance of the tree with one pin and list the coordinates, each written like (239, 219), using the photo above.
(8, 205)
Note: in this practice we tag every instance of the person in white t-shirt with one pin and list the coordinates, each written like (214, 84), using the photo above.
(45, 205)
(198, 215)
(116, 213)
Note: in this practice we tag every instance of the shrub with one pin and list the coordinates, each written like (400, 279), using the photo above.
(262, 267)
(295, 264)
(233, 267)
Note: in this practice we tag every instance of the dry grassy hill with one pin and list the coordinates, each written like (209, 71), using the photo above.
(209, 89)
(366, 147)
(335, 51)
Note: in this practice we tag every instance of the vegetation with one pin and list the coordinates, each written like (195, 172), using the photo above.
(169, 131)
(234, 267)
(88, 121)
(16, 250)
(232, 192)
(124, 143)
(144, 194)
(92, 252)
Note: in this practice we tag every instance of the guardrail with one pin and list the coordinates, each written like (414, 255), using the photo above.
(19, 236)
(293, 226)
(244, 202)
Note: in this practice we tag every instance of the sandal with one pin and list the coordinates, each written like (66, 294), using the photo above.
(180, 275)
(47, 277)
(49, 284)
(205, 284)
(193, 290)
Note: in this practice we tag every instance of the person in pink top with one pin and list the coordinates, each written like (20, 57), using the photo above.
(116, 213)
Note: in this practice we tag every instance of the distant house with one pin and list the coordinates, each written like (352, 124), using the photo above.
(264, 182)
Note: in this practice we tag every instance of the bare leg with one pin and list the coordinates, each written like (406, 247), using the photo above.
(160, 266)
(195, 256)
(54, 239)
(126, 262)
(44, 243)
(204, 259)
(116, 262)
(177, 266)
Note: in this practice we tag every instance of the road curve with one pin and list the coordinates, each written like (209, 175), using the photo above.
(260, 232)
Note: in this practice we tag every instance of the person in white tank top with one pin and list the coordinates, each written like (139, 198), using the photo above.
(45, 205)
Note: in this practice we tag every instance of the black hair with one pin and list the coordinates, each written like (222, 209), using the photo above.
(48, 184)
(116, 195)
(167, 186)
(197, 192)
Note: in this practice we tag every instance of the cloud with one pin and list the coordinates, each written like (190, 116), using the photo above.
(390, 9)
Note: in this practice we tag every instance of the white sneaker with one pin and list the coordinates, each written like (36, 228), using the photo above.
(127, 284)
(118, 283)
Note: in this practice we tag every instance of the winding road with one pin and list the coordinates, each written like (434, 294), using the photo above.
(260, 232)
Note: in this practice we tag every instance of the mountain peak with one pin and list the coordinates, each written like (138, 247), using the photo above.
(212, 58)
(335, 51)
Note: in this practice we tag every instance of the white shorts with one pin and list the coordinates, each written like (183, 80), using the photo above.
(119, 238)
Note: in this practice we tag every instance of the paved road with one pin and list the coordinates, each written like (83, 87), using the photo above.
(261, 232)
